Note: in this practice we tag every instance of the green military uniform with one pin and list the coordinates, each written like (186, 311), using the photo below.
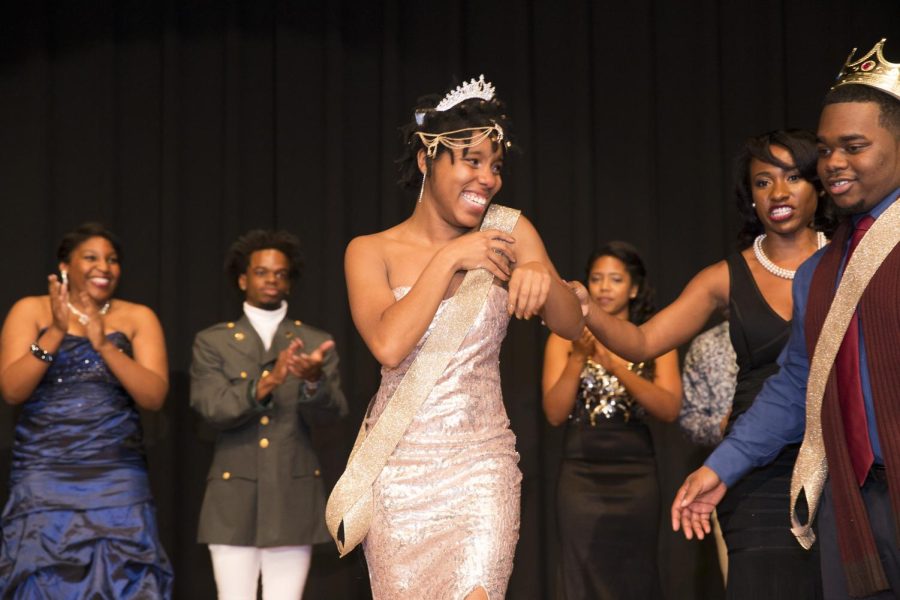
(264, 487)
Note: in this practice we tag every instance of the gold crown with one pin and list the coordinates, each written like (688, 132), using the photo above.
(872, 70)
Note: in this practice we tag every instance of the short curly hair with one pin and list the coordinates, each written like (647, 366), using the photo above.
(82, 233)
(801, 145)
(474, 112)
(889, 106)
(237, 260)
(642, 306)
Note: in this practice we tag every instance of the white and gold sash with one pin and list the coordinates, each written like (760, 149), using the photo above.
(811, 468)
(349, 510)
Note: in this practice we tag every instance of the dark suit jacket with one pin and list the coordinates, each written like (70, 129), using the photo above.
(264, 487)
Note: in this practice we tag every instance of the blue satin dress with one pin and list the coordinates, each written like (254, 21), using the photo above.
(80, 521)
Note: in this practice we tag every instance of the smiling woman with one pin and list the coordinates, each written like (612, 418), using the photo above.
(80, 519)
(778, 195)
(445, 516)
(607, 494)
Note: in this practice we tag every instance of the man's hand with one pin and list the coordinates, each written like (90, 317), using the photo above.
(279, 372)
(309, 366)
(696, 499)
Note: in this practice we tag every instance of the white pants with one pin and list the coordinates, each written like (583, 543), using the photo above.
(237, 570)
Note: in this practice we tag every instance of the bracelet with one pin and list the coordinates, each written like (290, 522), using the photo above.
(41, 354)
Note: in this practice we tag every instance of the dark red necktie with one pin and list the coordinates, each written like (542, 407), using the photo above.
(849, 384)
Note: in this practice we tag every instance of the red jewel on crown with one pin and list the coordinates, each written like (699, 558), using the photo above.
(871, 69)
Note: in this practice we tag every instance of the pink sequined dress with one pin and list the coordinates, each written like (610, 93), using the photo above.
(446, 518)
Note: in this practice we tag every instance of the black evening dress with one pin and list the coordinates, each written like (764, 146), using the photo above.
(764, 558)
(608, 494)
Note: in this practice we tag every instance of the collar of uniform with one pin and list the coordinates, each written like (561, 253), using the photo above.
(265, 322)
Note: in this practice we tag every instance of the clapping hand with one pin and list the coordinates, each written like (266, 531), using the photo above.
(94, 329)
(584, 346)
(309, 366)
(608, 360)
(293, 361)
(59, 302)
(281, 370)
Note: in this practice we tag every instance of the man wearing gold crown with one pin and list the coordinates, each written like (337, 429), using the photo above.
(839, 385)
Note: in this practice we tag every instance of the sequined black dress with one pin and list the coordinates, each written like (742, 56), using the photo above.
(80, 521)
(608, 494)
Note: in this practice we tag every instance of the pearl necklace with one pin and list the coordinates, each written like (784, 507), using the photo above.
(84, 318)
(771, 267)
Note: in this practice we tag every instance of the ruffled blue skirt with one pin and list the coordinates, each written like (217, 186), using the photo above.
(80, 521)
(74, 554)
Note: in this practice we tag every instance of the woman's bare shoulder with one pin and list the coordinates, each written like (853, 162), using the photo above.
(524, 226)
(35, 307)
(28, 316)
(717, 269)
(378, 242)
(714, 278)
(132, 316)
(128, 307)
(385, 248)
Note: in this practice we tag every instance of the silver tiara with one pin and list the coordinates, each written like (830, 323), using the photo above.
(474, 89)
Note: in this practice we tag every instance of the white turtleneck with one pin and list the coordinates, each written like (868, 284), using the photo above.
(265, 322)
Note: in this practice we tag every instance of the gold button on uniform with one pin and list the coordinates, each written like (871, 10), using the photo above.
(230, 325)
(297, 323)
(264, 443)
(264, 420)
(243, 374)
(238, 336)
(226, 475)
(265, 373)
(317, 472)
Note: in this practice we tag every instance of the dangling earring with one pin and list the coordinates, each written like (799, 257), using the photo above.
(753, 204)
(422, 189)
(65, 277)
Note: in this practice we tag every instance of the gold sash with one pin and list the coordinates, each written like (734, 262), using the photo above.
(349, 510)
(811, 468)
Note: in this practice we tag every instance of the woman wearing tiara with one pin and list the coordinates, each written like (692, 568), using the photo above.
(608, 493)
(777, 197)
(445, 520)
(80, 520)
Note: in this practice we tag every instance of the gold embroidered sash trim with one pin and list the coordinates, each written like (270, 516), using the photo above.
(811, 468)
(348, 513)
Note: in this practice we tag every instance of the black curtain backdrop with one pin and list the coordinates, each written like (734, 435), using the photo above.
(183, 124)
